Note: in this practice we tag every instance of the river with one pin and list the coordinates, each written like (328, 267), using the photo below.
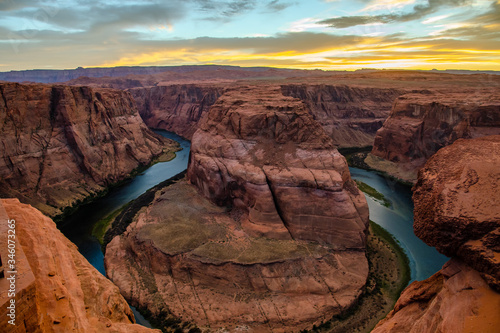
(398, 219)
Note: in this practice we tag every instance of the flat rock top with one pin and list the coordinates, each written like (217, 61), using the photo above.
(182, 221)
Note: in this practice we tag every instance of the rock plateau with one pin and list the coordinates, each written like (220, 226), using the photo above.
(420, 124)
(268, 234)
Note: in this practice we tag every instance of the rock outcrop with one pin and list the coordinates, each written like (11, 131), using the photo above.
(421, 124)
(66, 294)
(282, 248)
(350, 115)
(456, 204)
(176, 108)
(263, 153)
(61, 144)
(456, 210)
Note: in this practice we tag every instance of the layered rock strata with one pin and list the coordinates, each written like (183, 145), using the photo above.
(57, 289)
(62, 144)
(350, 115)
(420, 124)
(456, 210)
(176, 108)
(268, 234)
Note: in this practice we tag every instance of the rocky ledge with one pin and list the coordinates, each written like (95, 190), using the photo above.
(62, 144)
(456, 210)
(267, 235)
(57, 290)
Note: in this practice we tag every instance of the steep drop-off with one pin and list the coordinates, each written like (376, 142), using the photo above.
(421, 124)
(268, 234)
(350, 115)
(61, 144)
(176, 108)
(57, 290)
(457, 211)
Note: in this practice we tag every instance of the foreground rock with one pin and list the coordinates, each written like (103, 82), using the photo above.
(284, 246)
(350, 115)
(421, 124)
(456, 210)
(57, 290)
(63, 144)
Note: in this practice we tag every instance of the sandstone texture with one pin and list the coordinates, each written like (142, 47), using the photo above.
(456, 210)
(62, 144)
(69, 295)
(420, 124)
(261, 152)
(176, 108)
(457, 204)
(350, 115)
(455, 299)
(267, 234)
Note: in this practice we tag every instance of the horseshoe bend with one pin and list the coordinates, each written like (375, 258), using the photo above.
(268, 229)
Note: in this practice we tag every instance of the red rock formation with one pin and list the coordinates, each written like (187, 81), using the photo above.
(456, 204)
(283, 249)
(421, 124)
(456, 210)
(69, 294)
(61, 144)
(263, 153)
(350, 115)
(176, 108)
(455, 299)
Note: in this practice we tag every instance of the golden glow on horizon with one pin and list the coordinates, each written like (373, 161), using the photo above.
(365, 54)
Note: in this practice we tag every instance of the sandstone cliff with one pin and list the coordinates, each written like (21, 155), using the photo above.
(350, 115)
(67, 294)
(176, 108)
(62, 144)
(456, 210)
(282, 248)
(421, 124)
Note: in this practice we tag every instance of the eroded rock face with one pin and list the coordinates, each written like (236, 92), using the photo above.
(261, 152)
(176, 108)
(421, 124)
(456, 210)
(350, 115)
(70, 294)
(268, 235)
(61, 144)
(455, 299)
(456, 204)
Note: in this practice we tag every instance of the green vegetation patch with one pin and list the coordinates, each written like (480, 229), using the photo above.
(99, 229)
(373, 193)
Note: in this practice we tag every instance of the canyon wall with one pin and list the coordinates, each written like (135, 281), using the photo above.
(176, 108)
(421, 124)
(456, 210)
(57, 290)
(350, 115)
(62, 144)
(267, 233)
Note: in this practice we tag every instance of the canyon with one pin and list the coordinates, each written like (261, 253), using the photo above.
(267, 231)
(262, 234)
(62, 144)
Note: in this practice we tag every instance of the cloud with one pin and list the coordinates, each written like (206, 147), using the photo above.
(277, 6)
(418, 12)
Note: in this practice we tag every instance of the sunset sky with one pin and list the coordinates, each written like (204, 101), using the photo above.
(325, 34)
